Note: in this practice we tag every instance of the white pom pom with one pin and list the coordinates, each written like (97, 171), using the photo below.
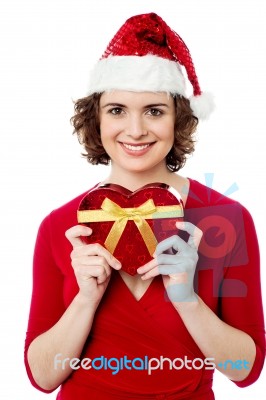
(202, 105)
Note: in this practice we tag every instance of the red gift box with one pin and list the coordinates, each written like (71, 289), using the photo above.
(130, 224)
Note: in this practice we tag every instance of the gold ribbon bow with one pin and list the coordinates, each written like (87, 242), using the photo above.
(110, 211)
(123, 215)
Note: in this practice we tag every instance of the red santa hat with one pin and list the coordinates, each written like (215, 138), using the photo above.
(147, 55)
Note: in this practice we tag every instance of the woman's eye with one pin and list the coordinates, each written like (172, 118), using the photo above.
(155, 112)
(115, 111)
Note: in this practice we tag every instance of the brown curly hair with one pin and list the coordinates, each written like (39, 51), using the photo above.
(86, 124)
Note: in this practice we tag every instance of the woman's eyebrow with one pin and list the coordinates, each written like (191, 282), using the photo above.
(113, 105)
(147, 106)
(156, 105)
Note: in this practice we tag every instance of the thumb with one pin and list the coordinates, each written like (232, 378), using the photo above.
(74, 234)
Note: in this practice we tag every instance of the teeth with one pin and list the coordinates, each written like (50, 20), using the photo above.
(136, 148)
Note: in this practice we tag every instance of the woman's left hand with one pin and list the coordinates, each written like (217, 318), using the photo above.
(176, 260)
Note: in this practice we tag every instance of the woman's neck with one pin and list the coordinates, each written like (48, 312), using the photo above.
(135, 180)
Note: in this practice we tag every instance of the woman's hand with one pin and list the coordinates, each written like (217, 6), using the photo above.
(92, 264)
(176, 260)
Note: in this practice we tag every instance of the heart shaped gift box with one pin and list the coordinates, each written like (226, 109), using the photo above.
(130, 224)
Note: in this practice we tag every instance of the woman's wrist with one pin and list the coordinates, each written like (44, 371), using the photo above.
(83, 301)
(190, 304)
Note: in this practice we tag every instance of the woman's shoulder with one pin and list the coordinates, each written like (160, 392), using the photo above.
(199, 193)
(205, 202)
(65, 215)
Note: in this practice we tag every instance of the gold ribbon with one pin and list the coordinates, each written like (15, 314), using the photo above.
(110, 211)
(123, 215)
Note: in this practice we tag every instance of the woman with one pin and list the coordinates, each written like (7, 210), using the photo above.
(102, 333)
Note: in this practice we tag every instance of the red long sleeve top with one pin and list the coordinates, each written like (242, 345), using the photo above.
(227, 279)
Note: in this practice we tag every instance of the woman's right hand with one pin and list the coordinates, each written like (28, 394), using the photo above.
(92, 264)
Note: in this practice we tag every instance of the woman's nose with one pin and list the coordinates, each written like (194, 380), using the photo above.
(136, 127)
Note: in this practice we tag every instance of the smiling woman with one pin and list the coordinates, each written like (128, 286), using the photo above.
(184, 309)
(138, 134)
(86, 122)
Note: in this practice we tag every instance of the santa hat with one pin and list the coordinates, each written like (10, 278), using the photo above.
(147, 55)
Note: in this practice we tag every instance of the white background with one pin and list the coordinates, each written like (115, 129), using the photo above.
(47, 49)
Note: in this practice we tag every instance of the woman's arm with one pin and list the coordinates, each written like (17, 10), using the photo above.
(64, 340)
(92, 265)
(215, 338)
(218, 340)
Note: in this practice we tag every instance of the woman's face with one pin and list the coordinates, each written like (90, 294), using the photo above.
(137, 129)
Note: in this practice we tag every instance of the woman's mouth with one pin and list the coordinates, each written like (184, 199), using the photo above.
(136, 149)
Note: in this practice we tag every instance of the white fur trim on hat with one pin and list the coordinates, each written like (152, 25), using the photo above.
(202, 105)
(138, 74)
